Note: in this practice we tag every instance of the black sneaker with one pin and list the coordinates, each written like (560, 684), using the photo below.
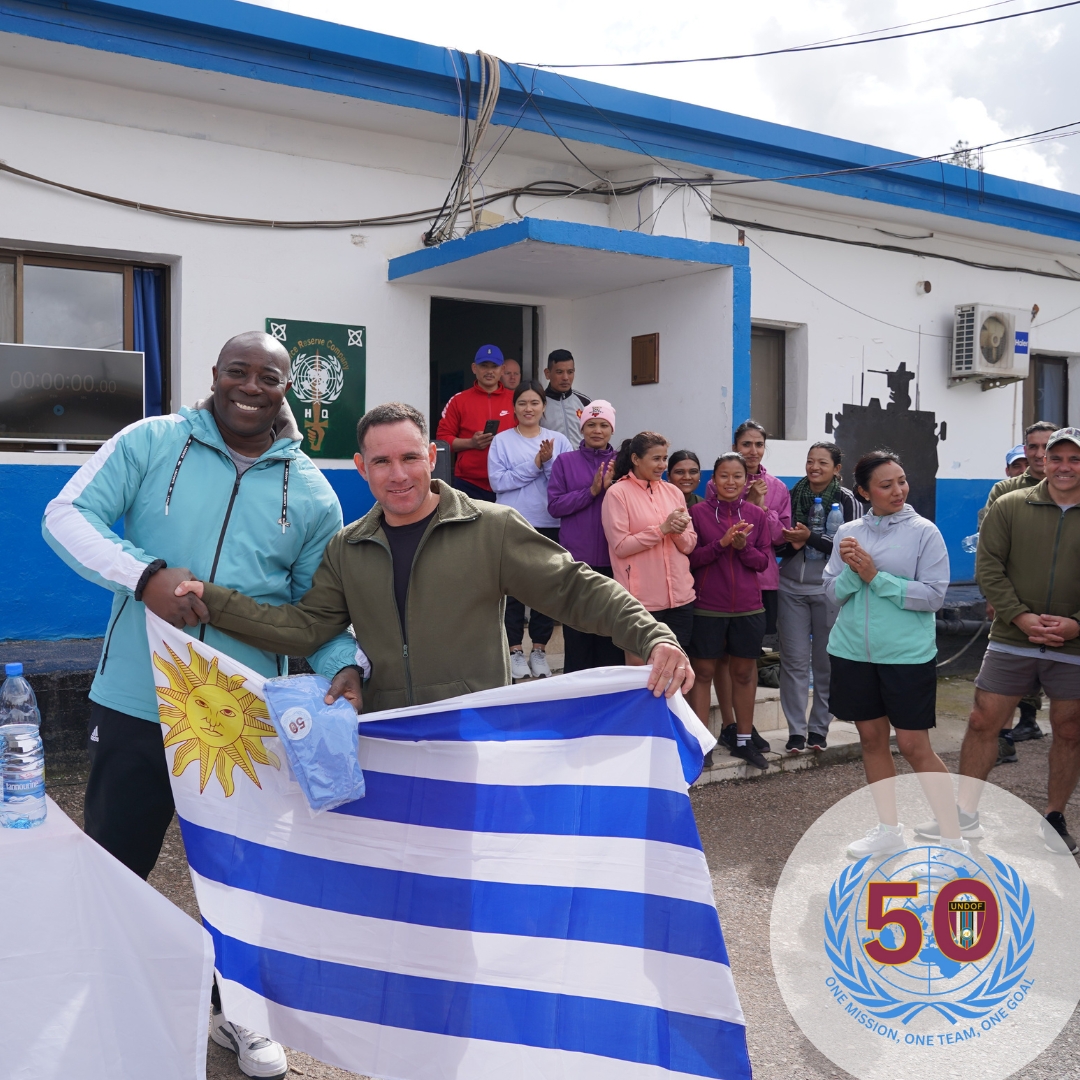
(751, 755)
(1006, 750)
(1026, 728)
(1056, 835)
(816, 742)
(760, 741)
(796, 744)
(727, 736)
(708, 762)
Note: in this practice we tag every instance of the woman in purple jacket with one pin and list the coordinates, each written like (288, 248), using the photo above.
(734, 546)
(579, 481)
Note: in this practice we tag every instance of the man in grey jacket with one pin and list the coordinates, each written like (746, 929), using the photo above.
(564, 403)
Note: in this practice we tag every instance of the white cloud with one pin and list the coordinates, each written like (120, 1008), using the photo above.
(917, 96)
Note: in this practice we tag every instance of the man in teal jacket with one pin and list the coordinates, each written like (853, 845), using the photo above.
(221, 492)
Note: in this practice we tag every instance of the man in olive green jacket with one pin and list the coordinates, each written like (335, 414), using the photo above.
(1035, 439)
(1029, 553)
(423, 578)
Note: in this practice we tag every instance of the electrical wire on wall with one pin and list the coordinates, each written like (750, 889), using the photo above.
(462, 190)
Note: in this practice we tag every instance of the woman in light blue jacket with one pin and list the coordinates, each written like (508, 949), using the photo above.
(888, 573)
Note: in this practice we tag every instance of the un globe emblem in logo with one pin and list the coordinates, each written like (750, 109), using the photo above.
(317, 378)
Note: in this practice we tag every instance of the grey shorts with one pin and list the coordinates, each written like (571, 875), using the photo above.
(1017, 676)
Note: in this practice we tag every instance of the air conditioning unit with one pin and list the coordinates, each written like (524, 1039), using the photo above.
(990, 342)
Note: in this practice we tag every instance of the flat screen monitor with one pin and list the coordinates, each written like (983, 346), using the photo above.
(52, 393)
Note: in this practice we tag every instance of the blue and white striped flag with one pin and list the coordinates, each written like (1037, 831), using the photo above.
(521, 894)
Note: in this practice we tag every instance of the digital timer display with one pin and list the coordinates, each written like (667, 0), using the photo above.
(49, 392)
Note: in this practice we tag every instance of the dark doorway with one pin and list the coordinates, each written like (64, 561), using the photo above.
(458, 329)
(1050, 381)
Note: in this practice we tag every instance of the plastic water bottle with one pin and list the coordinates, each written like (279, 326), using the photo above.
(970, 544)
(23, 758)
(834, 520)
(817, 527)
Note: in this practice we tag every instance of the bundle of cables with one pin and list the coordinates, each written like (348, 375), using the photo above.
(461, 190)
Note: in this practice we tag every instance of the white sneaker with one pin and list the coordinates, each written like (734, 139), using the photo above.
(256, 1055)
(538, 664)
(880, 840)
(960, 845)
(519, 666)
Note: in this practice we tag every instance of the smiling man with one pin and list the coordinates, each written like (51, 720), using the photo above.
(1029, 551)
(423, 578)
(224, 489)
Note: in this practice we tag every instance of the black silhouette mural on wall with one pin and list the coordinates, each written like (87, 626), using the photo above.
(911, 433)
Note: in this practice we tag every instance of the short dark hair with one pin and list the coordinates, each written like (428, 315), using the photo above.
(748, 425)
(393, 412)
(834, 451)
(680, 456)
(731, 455)
(524, 386)
(869, 463)
(559, 356)
(1039, 425)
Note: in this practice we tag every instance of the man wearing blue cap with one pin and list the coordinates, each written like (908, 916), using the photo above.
(473, 418)
(1016, 461)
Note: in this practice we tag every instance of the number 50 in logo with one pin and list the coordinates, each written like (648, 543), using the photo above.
(966, 921)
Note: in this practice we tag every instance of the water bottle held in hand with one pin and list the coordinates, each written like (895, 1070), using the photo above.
(23, 771)
(817, 528)
(834, 520)
(970, 544)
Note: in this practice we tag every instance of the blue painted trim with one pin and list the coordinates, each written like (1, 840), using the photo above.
(741, 403)
(570, 234)
(277, 47)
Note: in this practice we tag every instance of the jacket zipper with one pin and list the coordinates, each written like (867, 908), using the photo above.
(108, 640)
(1053, 557)
(221, 540)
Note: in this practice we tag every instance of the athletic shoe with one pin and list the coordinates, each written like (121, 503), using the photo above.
(727, 736)
(1006, 750)
(796, 744)
(519, 665)
(256, 1055)
(961, 845)
(760, 741)
(816, 742)
(538, 664)
(707, 762)
(969, 827)
(880, 840)
(1027, 728)
(1056, 836)
(751, 755)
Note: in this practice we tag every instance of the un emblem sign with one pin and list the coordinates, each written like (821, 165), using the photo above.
(928, 960)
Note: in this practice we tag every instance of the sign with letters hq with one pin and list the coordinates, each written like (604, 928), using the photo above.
(329, 372)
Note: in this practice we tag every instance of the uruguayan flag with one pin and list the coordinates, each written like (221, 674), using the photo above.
(521, 894)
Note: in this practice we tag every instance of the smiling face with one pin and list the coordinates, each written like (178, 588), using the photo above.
(1017, 467)
(529, 409)
(888, 489)
(1063, 472)
(729, 480)
(488, 375)
(685, 475)
(1035, 448)
(820, 469)
(397, 464)
(751, 444)
(250, 380)
(597, 434)
(651, 465)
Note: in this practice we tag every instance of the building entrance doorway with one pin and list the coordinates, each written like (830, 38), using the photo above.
(459, 328)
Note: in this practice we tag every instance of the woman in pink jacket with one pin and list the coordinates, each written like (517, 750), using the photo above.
(650, 535)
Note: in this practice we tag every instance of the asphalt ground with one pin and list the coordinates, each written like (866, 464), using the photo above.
(748, 829)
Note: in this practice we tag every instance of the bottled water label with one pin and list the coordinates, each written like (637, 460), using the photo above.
(33, 787)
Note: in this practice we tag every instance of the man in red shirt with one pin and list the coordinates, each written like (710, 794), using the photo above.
(486, 404)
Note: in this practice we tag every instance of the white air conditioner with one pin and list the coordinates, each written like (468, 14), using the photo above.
(989, 342)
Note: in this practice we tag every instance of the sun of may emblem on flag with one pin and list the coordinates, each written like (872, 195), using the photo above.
(213, 719)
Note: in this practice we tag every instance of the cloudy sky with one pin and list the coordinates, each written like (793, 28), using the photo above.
(918, 96)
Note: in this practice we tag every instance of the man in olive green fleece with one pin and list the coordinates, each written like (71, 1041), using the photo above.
(422, 579)
(1029, 553)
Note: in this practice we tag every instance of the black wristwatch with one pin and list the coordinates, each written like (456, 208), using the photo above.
(147, 574)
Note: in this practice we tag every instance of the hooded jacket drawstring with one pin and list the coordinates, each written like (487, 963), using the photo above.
(176, 472)
(283, 521)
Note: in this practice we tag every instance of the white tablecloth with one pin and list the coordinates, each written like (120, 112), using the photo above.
(101, 977)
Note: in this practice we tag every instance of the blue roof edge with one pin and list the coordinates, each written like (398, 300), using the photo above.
(567, 234)
(259, 43)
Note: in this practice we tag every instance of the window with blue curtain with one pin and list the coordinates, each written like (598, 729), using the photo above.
(149, 304)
